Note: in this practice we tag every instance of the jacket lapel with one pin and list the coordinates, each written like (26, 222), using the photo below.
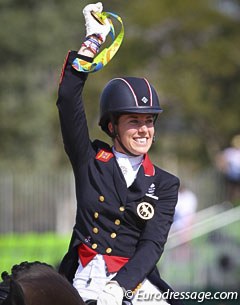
(109, 164)
(141, 184)
(143, 181)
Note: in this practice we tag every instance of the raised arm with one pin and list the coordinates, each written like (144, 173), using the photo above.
(70, 104)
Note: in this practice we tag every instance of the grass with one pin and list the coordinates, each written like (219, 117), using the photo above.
(46, 247)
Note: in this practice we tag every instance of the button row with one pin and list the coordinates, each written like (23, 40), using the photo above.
(108, 250)
(102, 198)
(96, 214)
(96, 230)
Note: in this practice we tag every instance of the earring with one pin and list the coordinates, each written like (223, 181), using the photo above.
(153, 140)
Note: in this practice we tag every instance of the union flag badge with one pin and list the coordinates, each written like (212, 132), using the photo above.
(104, 155)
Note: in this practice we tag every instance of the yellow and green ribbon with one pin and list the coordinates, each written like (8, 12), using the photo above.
(104, 57)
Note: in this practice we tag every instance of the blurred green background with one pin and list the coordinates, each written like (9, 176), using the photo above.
(189, 51)
(47, 247)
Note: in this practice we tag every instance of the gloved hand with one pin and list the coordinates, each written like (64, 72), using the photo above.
(112, 294)
(92, 25)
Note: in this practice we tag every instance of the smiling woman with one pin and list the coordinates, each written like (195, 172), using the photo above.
(129, 107)
(125, 204)
(135, 132)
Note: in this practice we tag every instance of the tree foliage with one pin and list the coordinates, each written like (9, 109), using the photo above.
(188, 49)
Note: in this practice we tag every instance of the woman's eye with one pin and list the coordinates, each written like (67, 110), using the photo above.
(149, 122)
(140, 122)
(134, 122)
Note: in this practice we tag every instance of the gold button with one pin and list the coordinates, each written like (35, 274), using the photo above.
(94, 246)
(113, 235)
(101, 198)
(96, 215)
(95, 230)
(117, 222)
(108, 250)
(121, 209)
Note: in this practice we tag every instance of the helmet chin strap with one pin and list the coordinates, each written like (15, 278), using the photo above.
(115, 135)
(124, 148)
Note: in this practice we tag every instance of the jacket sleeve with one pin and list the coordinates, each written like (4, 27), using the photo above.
(153, 238)
(71, 112)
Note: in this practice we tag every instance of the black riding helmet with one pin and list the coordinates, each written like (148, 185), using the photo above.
(127, 95)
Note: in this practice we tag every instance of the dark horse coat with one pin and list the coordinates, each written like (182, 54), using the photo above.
(36, 283)
(104, 203)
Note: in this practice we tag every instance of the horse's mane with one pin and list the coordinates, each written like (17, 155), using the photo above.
(36, 283)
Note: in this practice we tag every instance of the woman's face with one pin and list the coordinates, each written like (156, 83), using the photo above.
(135, 131)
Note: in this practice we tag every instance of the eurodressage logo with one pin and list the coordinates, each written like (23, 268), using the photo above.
(145, 210)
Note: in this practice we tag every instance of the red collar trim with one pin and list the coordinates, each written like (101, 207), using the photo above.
(104, 155)
(149, 170)
(148, 167)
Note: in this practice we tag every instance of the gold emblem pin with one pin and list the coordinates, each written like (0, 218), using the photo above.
(145, 210)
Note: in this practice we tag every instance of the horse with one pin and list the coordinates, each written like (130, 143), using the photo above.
(37, 283)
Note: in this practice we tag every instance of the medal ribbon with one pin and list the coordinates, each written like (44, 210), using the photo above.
(103, 58)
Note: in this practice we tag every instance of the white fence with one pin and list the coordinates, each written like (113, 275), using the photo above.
(43, 202)
(37, 202)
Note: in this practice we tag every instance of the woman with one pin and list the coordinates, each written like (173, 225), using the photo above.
(125, 204)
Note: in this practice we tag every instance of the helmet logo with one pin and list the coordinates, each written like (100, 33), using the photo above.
(144, 100)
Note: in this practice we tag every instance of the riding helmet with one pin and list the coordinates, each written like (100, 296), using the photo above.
(127, 95)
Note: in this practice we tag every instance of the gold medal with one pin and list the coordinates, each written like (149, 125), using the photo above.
(98, 17)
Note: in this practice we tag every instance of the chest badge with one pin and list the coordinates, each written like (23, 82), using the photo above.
(145, 210)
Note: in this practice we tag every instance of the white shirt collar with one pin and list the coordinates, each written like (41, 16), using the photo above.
(129, 165)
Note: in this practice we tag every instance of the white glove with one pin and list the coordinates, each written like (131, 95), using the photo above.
(93, 26)
(112, 294)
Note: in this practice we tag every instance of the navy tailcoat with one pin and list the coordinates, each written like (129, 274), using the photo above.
(108, 218)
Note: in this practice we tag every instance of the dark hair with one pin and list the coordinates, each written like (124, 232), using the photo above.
(36, 283)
